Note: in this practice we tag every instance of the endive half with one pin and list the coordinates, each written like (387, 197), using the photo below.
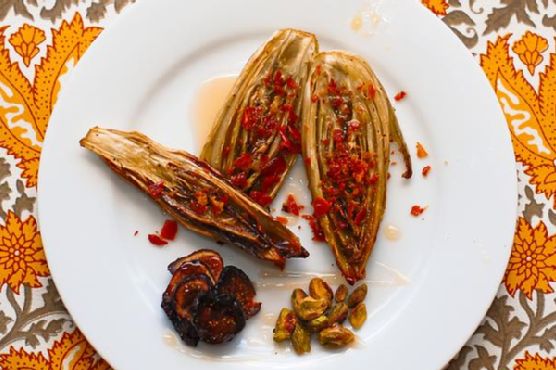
(195, 194)
(348, 123)
(255, 138)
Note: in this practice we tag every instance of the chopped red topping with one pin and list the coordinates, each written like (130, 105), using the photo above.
(321, 206)
(202, 198)
(243, 161)
(338, 135)
(291, 206)
(276, 166)
(156, 240)
(332, 87)
(155, 189)
(287, 144)
(218, 203)
(290, 322)
(318, 70)
(360, 216)
(314, 98)
(307, 161)
(399, 96)
(169, 230)
(421, 152)
(426, 170)
(198, 208)
(250, 117)
(282, 220)
(373, 179)
(290, 82)
(371, 92)
(318, 234)
(353, 125)
(417, 211)
(239, 180)
(262, 198)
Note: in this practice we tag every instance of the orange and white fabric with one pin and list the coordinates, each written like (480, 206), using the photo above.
(514, 42)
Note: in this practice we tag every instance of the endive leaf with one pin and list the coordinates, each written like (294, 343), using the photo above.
(195, 194)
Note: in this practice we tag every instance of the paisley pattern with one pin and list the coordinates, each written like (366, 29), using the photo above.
(514, 42)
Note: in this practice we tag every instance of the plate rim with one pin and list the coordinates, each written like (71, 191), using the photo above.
(129, 14)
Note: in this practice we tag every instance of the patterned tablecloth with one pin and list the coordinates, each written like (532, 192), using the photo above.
(513, 40)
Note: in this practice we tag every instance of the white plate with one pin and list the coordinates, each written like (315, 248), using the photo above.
(428, 291)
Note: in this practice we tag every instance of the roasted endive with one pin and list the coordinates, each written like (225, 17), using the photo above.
(195, 194)
(256, 136)
(348, 123)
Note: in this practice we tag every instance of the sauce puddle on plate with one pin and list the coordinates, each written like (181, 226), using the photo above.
(210, 98)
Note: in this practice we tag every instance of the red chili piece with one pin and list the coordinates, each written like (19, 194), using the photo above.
(155, 189)
(417, 211)
(426, 170)
(243, 161)
(156, 240)
(262, 198)
(399, 96)
(169, 230)
(239, 180)
(291, 206)
(318, 234)
(321, 207)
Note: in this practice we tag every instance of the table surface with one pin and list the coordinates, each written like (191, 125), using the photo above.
(514, 42)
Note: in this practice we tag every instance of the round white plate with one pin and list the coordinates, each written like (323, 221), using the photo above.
(428, 290)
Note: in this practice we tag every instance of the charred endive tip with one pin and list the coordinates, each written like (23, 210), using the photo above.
(348, 123)
(194, 194)
(255, 138)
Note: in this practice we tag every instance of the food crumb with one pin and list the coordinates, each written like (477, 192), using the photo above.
(357, 23)
(169, 230)
(136, 232)
(291, 206)
(426, 171)
(417, 211)
(445, 163)
(399, 96)
(421, 152)
(156, 240)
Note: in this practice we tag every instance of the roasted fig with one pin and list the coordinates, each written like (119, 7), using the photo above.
(207, 257)
(179, 303)
(236, 283)
(218, 318)
(195, 194)
(184, 272)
